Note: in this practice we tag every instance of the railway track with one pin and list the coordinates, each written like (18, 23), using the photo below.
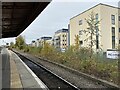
(78, 79)
(50, 79)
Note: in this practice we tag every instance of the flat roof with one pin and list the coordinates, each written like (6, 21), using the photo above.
(46, 38)
(92, 8)
(17, 16)
(62, 30)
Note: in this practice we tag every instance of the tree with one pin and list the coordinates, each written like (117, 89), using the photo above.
(20, 42)
(47, 50)
(11, 44)
(92, 30)
(77, 43)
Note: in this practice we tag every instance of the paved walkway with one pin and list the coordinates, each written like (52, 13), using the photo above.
(19, 74)
(15, 78)
(5, 69)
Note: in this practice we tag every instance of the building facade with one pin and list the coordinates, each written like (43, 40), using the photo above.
(60, 40)
(109, 30)
(37, 43)
(33, 44)
(44, 40)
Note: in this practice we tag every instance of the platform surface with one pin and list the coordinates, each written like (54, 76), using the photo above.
(14, 73)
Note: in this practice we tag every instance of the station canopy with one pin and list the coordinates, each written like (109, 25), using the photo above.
(17, 16)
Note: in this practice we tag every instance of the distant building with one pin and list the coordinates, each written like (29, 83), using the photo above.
(33, 44)
(29, 44)
(43, 40)
(109, 27)
(37, 42)
(60, 40)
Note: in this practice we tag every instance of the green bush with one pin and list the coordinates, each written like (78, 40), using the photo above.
(83, 53)
(26, 49)
(35, 50)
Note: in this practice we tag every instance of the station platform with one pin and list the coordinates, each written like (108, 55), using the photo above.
(16, 74)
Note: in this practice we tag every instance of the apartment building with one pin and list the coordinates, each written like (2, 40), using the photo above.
(37, 42)
(61, 39)
(33, 44)
(44, 40)
(109, 30)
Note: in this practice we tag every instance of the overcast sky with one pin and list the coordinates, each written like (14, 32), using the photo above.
(56, 16)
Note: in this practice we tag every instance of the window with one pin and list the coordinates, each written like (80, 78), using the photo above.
(97, 38)
(119, 18)
(97, 45)
(81, 42)
(113, 31)
(97, 42)
(63, 35)
(80, 32)
(96, 17)
(80, 22)
(113, 44)
(113, 19)
(119, 41)
(119, 30)
(97, 30)
(113, 37)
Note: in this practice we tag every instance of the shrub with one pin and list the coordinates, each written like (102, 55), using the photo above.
(83, 53)
(26, 49)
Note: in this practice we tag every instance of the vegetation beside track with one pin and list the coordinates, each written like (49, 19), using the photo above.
(78, 59)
